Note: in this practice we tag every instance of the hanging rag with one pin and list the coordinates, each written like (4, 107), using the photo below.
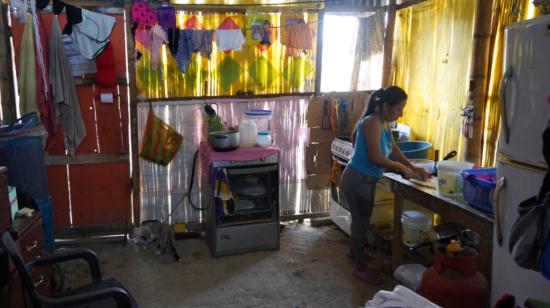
(185, 49)
(27, 72)
(42, 4)
(225, 199)
(372, 27)
(73, 14)
(106, 71)
(44, 99)
(299, 37)
(39, 52)
(229, 39)
(173, 40)
(19, 10)
(160, 142)
(158, 38)
(64, 93)
(143, 14)
(143, 36)
(166, 16)
(201, 41)
(91, 36)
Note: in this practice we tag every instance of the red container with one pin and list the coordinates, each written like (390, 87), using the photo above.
(455, 282)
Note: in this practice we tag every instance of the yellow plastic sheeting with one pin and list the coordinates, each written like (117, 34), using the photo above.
(505, 12)
(256, 69)
(431, 61)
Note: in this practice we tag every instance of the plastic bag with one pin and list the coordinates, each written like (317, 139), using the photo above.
(160, 141)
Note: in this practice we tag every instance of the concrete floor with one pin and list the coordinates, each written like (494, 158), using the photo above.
(310, 270)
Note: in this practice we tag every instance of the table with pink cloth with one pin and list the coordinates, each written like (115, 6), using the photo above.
(208, 155)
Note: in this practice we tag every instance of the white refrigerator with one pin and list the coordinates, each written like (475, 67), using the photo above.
(524, 92)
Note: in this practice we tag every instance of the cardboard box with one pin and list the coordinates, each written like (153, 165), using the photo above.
(319, 158)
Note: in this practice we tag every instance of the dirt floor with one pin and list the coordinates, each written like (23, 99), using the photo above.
(309, 270)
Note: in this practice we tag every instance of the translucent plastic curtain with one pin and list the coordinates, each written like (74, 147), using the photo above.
(431, 61)
(162, 187)
(505, 12)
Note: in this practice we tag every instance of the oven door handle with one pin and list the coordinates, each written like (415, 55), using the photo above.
(251, 170)
(339, 161)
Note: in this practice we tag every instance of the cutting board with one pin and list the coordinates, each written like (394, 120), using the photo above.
(429, 183)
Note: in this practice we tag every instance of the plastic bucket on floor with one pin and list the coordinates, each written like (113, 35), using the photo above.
(416, 228)
(45, 207)
(415, 149)
(449, 177)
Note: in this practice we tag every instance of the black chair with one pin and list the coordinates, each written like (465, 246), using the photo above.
(99, 293)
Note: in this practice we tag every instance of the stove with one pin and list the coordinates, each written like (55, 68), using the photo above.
(341, 150)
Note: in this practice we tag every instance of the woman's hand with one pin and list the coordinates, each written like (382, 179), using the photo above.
(421, 173)
(407, 172)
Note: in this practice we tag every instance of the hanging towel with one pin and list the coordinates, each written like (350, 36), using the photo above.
(222, 193)
(166, 16)
(158, 37)
(232, 39)
(27, 72)
(39, 51)
(44, 99)
(106, 71)
(201, 41)
(19, 10)
(185, 49)
(64, 93)
(299, 37)
(73, 14)
(143, 36)
(91, 36)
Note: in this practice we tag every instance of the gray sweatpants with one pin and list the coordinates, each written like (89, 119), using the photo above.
(359, 191)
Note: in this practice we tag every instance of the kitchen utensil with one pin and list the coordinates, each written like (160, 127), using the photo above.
(224, 140)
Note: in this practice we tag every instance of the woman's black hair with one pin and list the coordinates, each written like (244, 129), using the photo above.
(391, 95)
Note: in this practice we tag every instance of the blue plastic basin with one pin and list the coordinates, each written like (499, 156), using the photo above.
(415, 149)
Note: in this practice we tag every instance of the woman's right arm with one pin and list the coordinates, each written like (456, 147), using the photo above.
(373, 134)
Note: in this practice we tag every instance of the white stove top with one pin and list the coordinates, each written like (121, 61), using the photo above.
(341, 148)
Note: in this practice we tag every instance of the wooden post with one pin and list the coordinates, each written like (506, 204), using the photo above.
(319, 53)
(132, 103)
(479, 77)
(6, 74)
(388, 45)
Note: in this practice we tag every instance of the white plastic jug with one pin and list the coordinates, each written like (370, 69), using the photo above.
(415, 228)
(248, 131)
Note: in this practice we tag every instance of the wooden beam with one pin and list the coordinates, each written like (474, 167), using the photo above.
(477, 94)
(319, 53)
(6, 74)
(388, 46)
(132, 103)
(54, 160)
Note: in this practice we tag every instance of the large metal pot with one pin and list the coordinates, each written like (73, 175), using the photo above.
(224, 141)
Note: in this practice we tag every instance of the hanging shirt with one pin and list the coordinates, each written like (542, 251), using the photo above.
(27, 72)
(185, 49)
(64, 93)
(158, 37)
(232, 39)
(201, 41)
(91, 36)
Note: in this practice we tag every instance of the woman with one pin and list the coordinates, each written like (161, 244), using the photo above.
(373, 145)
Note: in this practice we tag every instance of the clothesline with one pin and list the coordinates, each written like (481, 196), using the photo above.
(273, 27)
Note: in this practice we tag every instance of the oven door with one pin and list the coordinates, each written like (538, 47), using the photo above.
(256, 193)
(338, 166)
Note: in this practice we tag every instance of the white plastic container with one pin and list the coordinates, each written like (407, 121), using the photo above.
(449, 179)
(263, 139)
(261, 117)
(416, 228)
(427, 164)
(248, 132)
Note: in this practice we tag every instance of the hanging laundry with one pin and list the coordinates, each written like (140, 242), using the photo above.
(222, 193)
(173, 40)
(91, 36)
(27, 72)
(158, 37)
(19, 10)
(201, 41)
(143, 36)
(39, 52)
(64, 93)
(79, 65)
(73, 14)
(299, 37)
(106, 72)
(44, 101)
(166, 16)
(42, 4)
(143, 14)
(232, 39)
(185, 49)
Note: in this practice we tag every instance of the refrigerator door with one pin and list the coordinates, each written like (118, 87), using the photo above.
(524, 90)
(508, 277)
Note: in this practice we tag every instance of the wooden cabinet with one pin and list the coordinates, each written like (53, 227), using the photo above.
(5, 209)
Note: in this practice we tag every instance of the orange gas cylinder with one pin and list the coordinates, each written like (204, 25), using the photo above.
(454, 282)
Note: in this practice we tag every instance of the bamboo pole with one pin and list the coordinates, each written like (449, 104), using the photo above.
(6, 74)
(479, 77)
(132, 103)
(388, 45)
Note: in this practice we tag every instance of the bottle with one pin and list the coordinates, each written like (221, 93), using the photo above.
(248, 132)
(263, 139)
